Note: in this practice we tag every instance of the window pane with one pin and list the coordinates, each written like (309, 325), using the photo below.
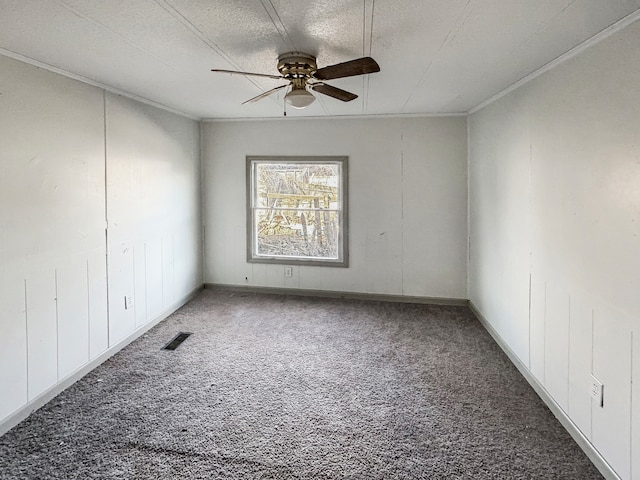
(298, 233)
(297, 185)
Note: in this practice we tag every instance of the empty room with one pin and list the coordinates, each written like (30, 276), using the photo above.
(363, 239)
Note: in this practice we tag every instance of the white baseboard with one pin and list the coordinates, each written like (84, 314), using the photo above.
(22, 413)
(461, 302)
(583, 442)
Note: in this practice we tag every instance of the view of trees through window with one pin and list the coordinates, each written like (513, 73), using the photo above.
(297, 208)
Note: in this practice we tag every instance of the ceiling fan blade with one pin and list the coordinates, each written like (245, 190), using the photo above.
(334, 92)
(277, 77)
(360, 66)
(264, 94)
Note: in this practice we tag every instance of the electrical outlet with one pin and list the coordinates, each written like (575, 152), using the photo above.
(597, 391)
(288, 272)
(128, 302)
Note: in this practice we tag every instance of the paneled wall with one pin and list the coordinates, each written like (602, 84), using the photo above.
(407, 203)
(554, 198)
(54, 199)
(153, 210)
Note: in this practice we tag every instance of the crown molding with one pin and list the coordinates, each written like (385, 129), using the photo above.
(597, 38)
(88, 81)
(336, 117)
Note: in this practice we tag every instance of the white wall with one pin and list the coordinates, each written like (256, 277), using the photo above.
(554, 198)
(53, 274)
(407, 203)
(153, 209)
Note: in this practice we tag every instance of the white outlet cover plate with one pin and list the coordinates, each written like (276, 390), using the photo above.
(128, 302)
(596, 390)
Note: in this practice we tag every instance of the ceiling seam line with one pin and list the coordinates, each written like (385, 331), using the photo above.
(373, 9)
(90, 19)
(284, 27)
(278, 24)
(367, 29)
(366, 91)
(364, 28)
(173, 12)
(364, 43)
(539, 30)
(195, 30)
(444, 42)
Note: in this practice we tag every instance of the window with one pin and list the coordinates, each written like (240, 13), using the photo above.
(297, 210)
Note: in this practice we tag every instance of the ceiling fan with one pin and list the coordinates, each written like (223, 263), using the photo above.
(300, 70)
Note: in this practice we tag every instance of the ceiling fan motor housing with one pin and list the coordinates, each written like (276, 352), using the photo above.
(297, 65)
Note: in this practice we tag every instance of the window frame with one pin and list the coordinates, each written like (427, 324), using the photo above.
(343, 213)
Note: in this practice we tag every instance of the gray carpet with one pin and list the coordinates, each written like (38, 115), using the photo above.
(283, 387)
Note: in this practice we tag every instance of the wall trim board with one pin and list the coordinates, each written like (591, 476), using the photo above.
(301, 292)
(202, 197)
(598, 460)
(42, 399)
(88, 81)
(336, 117)
(597, 38)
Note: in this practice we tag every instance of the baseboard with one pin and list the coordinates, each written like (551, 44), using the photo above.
(338, 294)
(583, 442)
(22, 413)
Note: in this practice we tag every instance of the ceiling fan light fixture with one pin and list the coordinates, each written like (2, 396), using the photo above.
(299, 98)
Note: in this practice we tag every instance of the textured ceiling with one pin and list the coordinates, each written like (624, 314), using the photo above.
(436, 56)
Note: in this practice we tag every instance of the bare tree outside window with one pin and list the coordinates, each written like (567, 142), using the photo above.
(297, 210)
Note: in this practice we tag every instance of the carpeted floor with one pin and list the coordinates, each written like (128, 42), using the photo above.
(283, 387)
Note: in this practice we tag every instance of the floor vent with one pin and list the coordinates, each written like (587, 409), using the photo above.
(177, 340)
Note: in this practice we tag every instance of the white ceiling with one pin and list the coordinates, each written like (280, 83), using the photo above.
(436, 56)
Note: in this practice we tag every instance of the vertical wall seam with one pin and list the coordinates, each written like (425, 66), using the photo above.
(106, 213)
(135, 294)
(569, 359)
(468, 177)
(173, 268)
(203, 273)
(529, 363)
(88, 314)
(146, 292)
(402, 209)
(162, 272)
(544, 338)
(530, 183)
(55, 276)
(592, 365)
(146, 308)
(26, 330)
(631, 410)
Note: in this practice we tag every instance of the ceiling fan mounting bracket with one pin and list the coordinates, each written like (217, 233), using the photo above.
(297, 65)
